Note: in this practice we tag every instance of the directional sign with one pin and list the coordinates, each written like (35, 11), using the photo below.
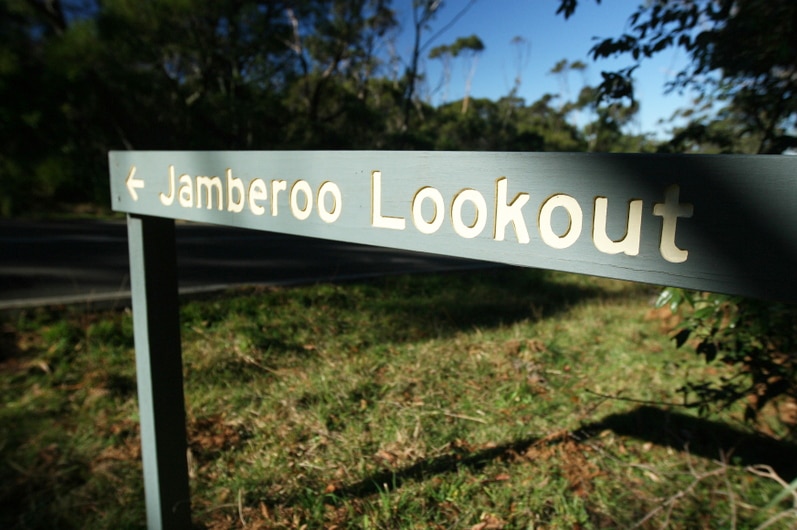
(717, 223)
(721, 223)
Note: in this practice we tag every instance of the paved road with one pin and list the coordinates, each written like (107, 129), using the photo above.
(43, 263)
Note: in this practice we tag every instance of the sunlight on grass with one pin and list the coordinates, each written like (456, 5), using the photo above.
(495, 399)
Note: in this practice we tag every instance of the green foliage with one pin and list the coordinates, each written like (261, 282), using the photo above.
(744, 57)
(568, 7)
(81, 77)
(741, 50)
(465, 45)
(757, 338)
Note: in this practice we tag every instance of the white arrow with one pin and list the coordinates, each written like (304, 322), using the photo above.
(132, 183)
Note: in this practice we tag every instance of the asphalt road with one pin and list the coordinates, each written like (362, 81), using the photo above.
(47, 263)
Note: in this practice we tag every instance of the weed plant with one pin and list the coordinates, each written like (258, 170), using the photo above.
(497, 399)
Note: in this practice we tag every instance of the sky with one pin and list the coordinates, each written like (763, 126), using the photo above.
(549, 38)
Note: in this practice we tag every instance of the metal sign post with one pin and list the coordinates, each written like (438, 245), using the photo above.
(715, 223)
(159, 371)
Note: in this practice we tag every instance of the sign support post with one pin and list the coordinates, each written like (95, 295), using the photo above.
(725, 224)
(159, 371)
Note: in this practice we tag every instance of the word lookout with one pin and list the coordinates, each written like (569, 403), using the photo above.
(467, 211)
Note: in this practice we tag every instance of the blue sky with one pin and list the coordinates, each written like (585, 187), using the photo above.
(551, 39)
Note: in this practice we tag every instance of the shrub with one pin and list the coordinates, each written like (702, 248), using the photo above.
(757, 338)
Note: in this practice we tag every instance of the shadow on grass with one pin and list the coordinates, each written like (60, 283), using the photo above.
(401, 308)
(398, 308)
(703, 437)
(700, 437)
(414, 308)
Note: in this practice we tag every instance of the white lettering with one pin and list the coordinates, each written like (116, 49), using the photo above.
(301, 213)
(629, 244)
(186, 191)
(670, 211)
(573, 209)
(331, 215)
(167, 200)
(257, 192)
(235, 185)
(276, 187)
(472, 230)
(377, 219)
(512, 212)
(468, 210)
(206, 183)
(434, 224)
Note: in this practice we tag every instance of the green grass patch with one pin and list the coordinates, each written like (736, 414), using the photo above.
(505, 398)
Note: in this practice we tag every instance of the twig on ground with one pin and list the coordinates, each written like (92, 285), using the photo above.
(669, 504)
(768, 472)
(241, 509)
(443, 412)
(731, 496)
(462, 417)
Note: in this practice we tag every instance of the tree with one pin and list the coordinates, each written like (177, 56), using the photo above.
(335, 45)
(470, 47)
(744, 51)
(727, 131)
(44, 48)
(562, 70)
(81, 77)
(423, 12)
(522, 53)
(605, 133)
(443, 52)
(504, 125)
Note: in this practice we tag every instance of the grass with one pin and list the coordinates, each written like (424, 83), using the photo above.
(494, 399)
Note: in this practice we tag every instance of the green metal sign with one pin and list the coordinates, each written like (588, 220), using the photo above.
(715, 223)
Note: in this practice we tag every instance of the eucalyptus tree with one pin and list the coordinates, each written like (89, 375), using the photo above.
(337, 46)
(470, 48)
(423, 13)
(443, 53)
